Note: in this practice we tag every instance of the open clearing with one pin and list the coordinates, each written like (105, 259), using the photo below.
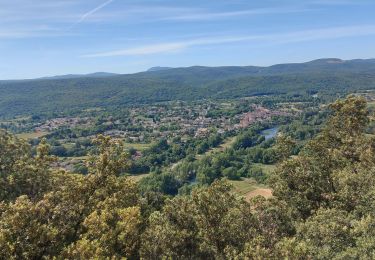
(249, 188)
(267, 193)
(137, 146)
(31, 135)
(138, 177)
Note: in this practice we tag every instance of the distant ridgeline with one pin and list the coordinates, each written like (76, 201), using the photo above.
(74, 92)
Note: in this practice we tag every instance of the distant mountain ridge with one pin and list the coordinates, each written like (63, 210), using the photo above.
(54, 95)
(157, 68)
(326, 64)
(74, 76)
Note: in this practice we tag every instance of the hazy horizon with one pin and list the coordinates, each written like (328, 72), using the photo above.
(197, 65)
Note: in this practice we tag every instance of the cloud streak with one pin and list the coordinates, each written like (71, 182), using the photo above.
(144, 50)
(201, 16)
(93, 11)
(279, 38)
(32, 32)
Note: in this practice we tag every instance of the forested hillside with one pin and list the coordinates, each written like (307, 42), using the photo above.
(322, 207)
(330, 76)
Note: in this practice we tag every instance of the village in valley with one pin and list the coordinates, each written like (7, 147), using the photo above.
(142, 126)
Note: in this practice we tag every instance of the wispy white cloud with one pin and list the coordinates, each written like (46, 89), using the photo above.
(202, 15)
(20, 17)
(13, 35)
(31, 32)
(279, 38)
(93, 11)
(168, 47)
(145, 50)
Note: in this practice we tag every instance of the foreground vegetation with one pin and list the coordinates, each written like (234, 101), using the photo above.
(322, 206)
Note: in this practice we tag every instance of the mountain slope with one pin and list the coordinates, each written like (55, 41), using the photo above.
(158, 68)
(56, 95)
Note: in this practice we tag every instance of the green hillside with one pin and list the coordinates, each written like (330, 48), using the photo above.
(57, 95)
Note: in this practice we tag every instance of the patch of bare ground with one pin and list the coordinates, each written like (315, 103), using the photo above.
(267, 193)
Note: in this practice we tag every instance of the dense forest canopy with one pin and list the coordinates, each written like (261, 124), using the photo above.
(328, 76)
(322, 207)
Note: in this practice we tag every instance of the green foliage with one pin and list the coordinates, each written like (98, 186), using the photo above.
(61, 95)
(219, 222)
(63, 218)
(308, 181)
(257, 173)
(322, 207)
(165, 153)
(20, 172)
(247, 139)
(160, 182)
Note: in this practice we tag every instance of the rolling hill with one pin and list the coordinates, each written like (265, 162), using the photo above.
(192, 83)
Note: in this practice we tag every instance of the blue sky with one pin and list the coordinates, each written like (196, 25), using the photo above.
(53, 37)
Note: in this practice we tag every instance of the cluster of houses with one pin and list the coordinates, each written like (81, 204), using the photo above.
(258, 114)
(171, 121)
(148, 123)
(56, 123)
(162, 122)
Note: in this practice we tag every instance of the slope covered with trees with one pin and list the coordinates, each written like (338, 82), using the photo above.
(328, 76)
(323, 204)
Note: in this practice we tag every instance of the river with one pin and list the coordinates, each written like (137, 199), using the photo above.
(270, 132)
